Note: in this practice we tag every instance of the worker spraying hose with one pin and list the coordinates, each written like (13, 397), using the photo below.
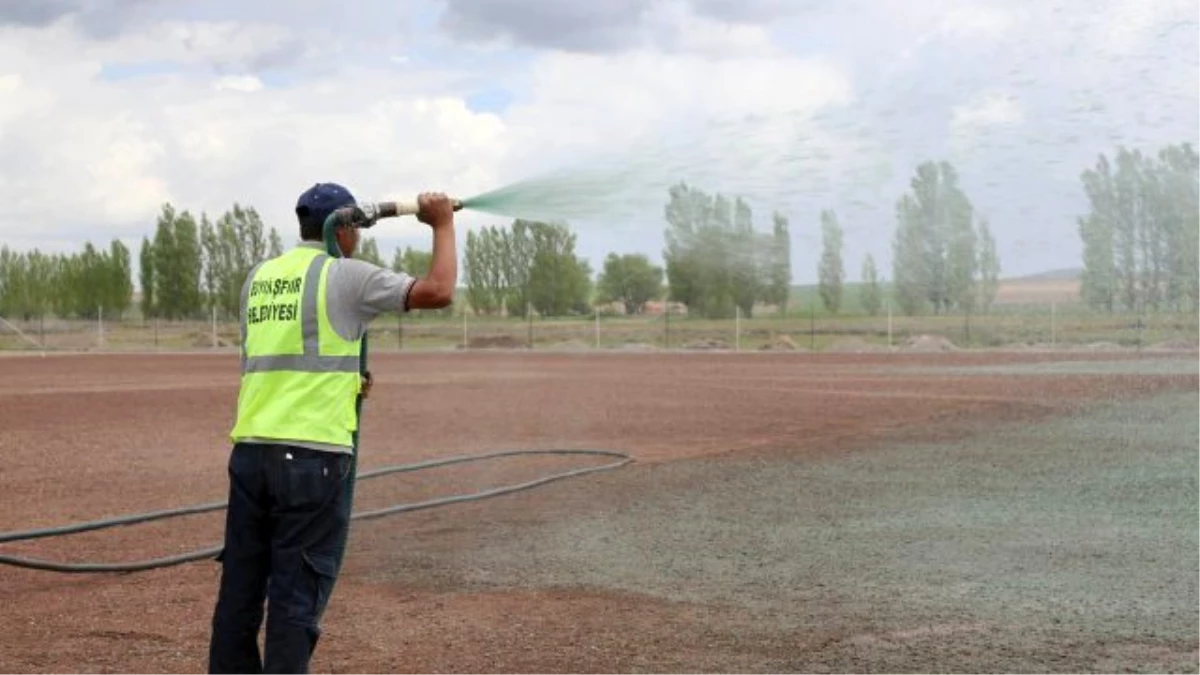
(304, 317)
(294, 463)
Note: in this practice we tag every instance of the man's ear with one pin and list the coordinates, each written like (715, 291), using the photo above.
(345, 240)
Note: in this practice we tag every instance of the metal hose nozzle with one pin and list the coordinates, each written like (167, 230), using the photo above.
(365, 214)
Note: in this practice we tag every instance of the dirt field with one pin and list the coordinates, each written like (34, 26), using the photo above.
(785, 512)
(1037, 291)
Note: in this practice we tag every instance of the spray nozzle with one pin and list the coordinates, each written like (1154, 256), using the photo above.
(411, 208)
(364, 215)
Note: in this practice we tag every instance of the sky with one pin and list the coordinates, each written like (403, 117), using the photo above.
(111, 108)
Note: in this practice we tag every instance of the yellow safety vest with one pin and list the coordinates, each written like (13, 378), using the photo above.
(300, 379)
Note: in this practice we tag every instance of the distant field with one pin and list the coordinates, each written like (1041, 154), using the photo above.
(1025, 291)
(1038, 291)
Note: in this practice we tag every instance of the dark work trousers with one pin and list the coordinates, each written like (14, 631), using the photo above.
(285, 533)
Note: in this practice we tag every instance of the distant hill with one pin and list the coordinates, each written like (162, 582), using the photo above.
(1053, 287)
(1070, 274)
(1045, 288)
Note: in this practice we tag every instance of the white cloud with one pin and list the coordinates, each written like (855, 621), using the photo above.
(251, 110)
(976, 123)
(116, 150)
(680, 29)
(988, 109)
(976, 22)
(242, 83)
(125, 147)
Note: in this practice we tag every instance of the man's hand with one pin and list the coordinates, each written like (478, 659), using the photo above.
(367, 381)
(435, 209)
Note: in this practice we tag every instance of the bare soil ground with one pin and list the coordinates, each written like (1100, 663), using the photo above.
(785, 512)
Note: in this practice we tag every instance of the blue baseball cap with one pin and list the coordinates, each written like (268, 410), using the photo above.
(320, 200)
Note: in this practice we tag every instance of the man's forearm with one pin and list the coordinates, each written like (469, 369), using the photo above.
(438, 286)
(436, 290)
(443, 268)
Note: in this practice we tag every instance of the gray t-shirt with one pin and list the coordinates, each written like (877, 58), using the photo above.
(360, 291)
(357, 293)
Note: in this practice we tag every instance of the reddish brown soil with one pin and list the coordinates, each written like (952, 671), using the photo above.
(84, 437)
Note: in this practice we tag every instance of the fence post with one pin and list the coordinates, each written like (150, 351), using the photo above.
(1140, 322)
(889, 305)
(214, 326)
(465, 343)
(400, 330)
(1053, 324)
(529, 314)
(597, 328)
(100, 326)
(737, 329)
(667, 325)
(812, 323)
(156, 333)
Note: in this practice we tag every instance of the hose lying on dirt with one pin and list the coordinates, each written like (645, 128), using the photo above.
(202, 554)
(331, 224)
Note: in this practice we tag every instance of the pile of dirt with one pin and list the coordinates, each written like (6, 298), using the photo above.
(708, 343)
(929, 343)
(1103, 347)
(201, 340)
(496, 342)
(637, 347)
(1030, 346)
(571, 346)
(780, 343)
(855, 345)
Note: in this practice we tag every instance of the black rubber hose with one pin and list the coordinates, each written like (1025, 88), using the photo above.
(329, 228)
(209, 553)
(206, 553)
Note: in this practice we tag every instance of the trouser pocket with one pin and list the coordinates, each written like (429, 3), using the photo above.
(308, 481)
(320, 572)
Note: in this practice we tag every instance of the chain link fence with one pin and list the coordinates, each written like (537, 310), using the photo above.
(1041, 328)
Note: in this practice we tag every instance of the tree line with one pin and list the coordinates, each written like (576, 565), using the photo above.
(1140, 251)
(944, 257)
(81, 285)
(717, 263)
(194, 267)
(1141, 234)
(190, 268)
(527, 266)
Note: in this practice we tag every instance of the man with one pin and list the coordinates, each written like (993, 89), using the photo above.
(303, 317)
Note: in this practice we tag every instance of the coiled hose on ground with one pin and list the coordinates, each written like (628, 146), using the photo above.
(331, 224)
(202, 554)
